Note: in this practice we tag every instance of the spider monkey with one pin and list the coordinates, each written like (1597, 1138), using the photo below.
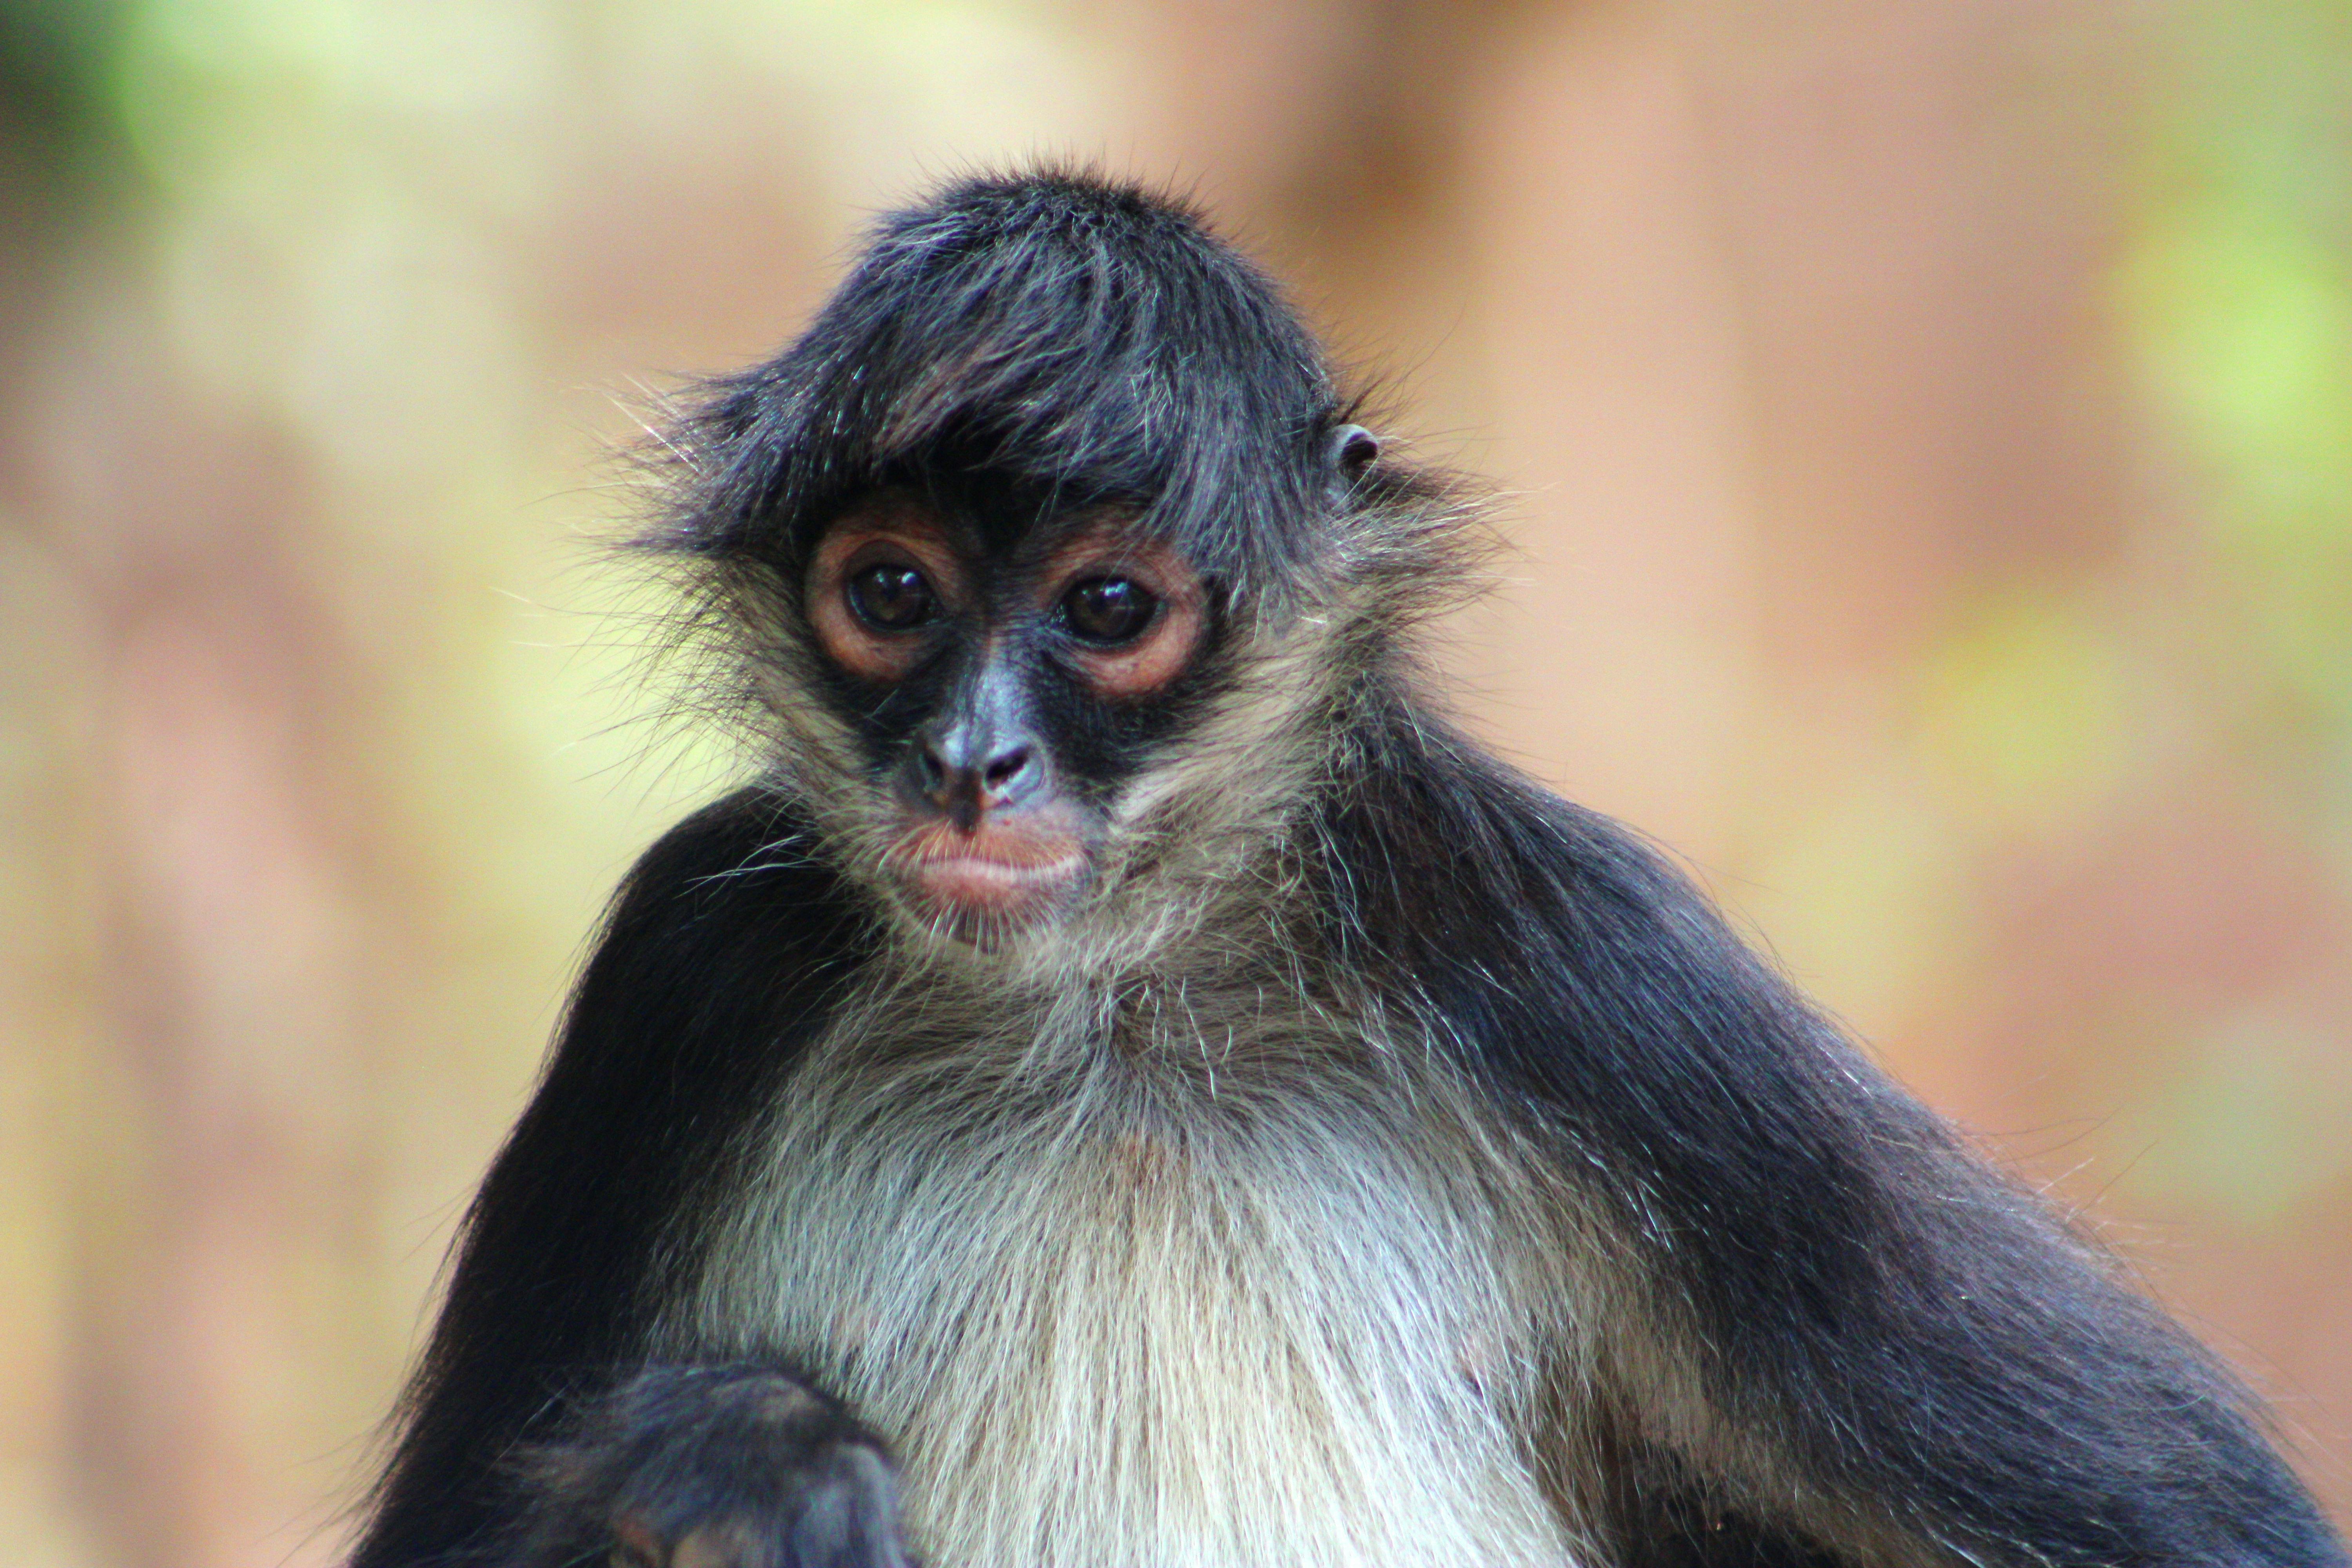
(1128, 1083)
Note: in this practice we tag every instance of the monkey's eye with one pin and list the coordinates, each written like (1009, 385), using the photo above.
(1107, 611)
(892, 598)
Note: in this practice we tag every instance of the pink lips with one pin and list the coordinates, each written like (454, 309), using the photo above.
(997, 875)
(982, 882)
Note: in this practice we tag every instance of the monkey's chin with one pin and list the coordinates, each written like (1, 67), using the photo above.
(985, 890)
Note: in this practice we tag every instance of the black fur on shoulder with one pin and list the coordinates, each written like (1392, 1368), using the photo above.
(1917, 1337)
(1058, 332)
(717, 963)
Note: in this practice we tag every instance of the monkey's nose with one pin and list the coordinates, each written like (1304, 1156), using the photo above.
(963, 778)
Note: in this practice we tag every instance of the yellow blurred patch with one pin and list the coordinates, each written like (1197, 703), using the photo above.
(2025, 717)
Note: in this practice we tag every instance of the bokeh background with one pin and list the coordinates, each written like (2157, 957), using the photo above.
(1924, 429)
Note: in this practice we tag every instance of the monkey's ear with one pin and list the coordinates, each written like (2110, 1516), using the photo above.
(1350, 449)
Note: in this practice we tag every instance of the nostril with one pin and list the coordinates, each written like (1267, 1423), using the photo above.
(935, 776)
(1003, 769)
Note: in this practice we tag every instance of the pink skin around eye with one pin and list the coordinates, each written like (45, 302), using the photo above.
(880, 534)
(1157, 657)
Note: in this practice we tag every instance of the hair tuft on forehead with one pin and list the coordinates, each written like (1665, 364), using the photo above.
(1060, 331)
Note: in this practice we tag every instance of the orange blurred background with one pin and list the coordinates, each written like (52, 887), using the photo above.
(1924, 429)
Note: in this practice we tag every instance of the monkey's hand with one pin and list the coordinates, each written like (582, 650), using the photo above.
(726, 1467)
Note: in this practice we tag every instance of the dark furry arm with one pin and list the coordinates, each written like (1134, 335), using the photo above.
(715, 965)
(1917, 1342)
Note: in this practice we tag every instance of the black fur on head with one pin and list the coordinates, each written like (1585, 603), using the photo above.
(1075, 336)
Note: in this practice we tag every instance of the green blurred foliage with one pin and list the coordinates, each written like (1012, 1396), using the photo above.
(56, 125)
(2239, 297)
(2026, 714)
(2248, 1122)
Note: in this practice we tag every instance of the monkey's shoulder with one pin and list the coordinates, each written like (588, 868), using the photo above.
(748, 854)
(723, 954)
(719, 962)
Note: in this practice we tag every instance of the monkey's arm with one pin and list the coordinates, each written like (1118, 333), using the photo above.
(715, 965)
(1894, 1336)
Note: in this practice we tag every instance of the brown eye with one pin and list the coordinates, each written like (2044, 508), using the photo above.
(892, 598)
(1107, 611)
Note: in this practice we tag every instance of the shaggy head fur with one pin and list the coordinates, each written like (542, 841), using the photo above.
(1021, 358)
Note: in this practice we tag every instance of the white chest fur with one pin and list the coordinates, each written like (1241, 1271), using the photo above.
(1121, 1295)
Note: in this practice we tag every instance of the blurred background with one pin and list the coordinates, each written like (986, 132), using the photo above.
(1924, 429)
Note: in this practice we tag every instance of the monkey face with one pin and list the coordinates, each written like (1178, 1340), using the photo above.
(1003, 672)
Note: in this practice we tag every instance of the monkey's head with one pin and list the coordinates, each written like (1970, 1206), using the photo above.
(1048, 552)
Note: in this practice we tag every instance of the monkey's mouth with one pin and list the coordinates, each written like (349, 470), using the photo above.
(987, 883)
